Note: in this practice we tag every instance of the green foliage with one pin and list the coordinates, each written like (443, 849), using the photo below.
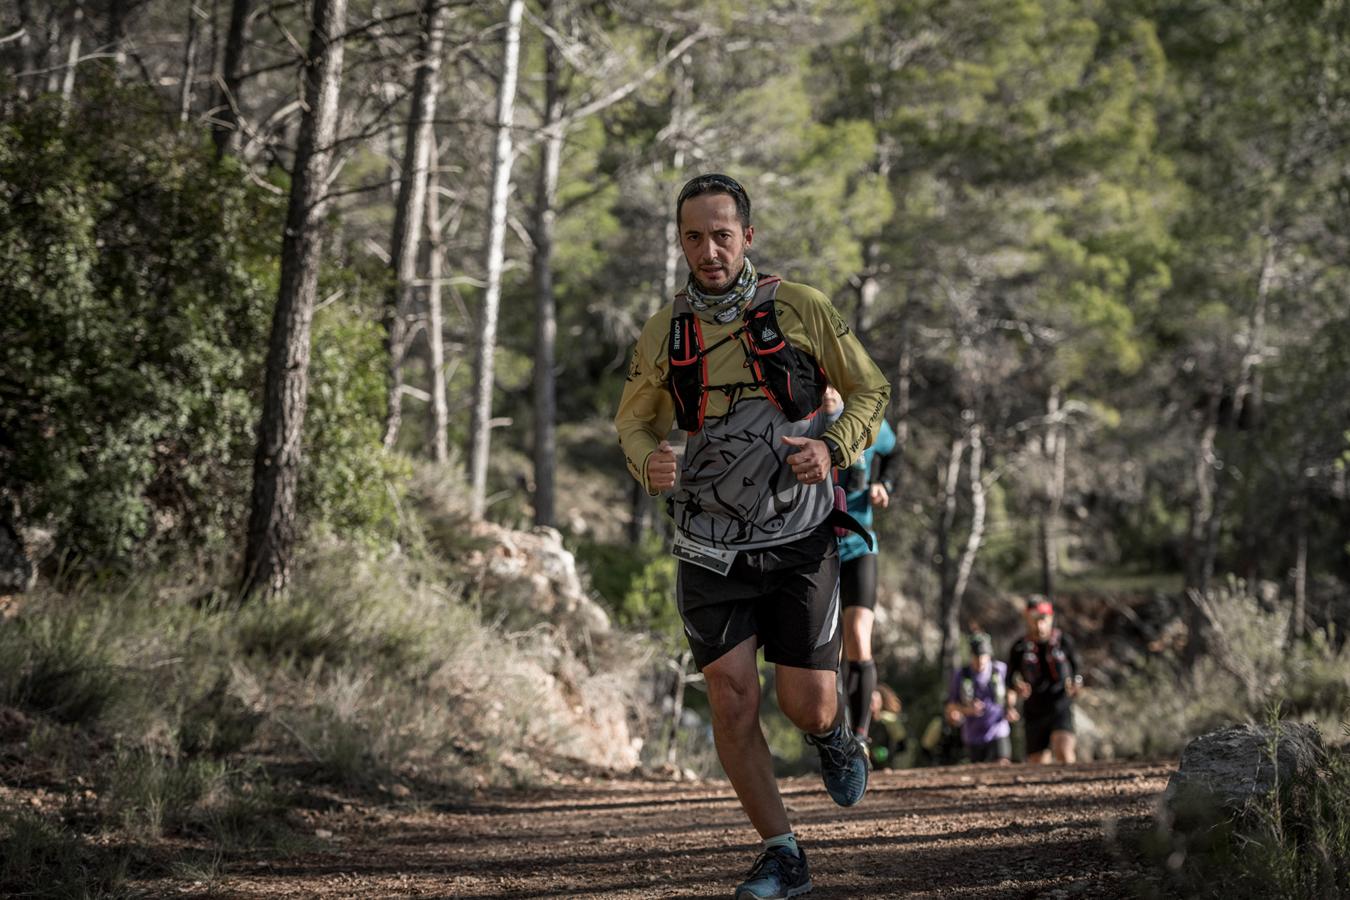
(134, 310)
(637, 584)
(141, 278)
(349, 484)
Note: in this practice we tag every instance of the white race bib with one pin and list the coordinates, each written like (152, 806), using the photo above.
(710, 558)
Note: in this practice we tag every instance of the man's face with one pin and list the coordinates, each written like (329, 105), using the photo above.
(982, 662)
(713, 241)
(1040, 624)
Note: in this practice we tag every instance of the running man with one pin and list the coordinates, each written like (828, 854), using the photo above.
(1045, 672)
(979, 702)
(866, 483)
(739, 361)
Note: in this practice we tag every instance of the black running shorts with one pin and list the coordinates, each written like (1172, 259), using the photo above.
(1039, 728)
(858, 581)
(787, 596)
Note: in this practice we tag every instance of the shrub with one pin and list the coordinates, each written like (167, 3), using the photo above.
(1250, 667)
(137, 281)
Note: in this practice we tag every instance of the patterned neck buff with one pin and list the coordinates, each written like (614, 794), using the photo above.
(726, 307)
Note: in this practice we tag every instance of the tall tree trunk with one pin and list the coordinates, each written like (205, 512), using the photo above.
(868, 287)
(51, 50)
(189, 66)
(1298, 619)
(72, 51)
(440, 416)
(901, 399)
(480, 437)
(639, 502)
(117, 33)
(951, 624)
(545, 304)
(25, 49)
(411, 206)
(1053, 448)
(276, 466)
(225, 131)
(1201, 511)
(943, 555)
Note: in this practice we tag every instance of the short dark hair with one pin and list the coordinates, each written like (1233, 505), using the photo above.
(715, 183)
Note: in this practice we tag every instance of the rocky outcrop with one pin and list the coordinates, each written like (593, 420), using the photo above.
(528, 583)
(1229, 771)
(530, 577)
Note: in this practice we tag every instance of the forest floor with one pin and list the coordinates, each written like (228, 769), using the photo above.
(967, 831)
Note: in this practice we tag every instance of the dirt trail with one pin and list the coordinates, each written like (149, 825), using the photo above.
(971, 831)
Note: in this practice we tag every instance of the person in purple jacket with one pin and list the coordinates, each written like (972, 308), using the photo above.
(978, 701)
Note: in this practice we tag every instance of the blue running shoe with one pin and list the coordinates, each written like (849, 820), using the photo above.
(843, 765)
(776, 875)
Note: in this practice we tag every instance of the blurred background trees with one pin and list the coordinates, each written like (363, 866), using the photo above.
(1098, 247)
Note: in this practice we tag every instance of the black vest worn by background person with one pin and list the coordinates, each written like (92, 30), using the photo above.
(791, 378)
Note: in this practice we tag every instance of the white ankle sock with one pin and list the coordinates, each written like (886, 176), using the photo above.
(788, 840)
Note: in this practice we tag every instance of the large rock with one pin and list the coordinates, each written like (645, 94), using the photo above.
(1231, 770)
(531, 577)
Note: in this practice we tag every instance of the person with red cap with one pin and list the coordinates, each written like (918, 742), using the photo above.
(1047, 675)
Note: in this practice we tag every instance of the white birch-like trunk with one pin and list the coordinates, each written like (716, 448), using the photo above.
(189, 66)
(72, 52)
(942, 554)
(440, 415)
(480, 438)
(975, 539)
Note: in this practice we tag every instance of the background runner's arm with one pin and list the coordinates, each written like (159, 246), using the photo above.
(1067, 643)
(646, 412)
(885, 458)
(848, 368)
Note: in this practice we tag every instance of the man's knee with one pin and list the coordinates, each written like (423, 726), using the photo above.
(734, 698)
(812, 711)
(816, 719)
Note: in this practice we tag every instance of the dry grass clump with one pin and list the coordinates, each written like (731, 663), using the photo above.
(164, 708)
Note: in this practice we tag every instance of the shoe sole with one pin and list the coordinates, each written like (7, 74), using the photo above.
(792, 892)
(866, 782)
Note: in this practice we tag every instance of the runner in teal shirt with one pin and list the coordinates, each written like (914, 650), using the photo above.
(866, 483)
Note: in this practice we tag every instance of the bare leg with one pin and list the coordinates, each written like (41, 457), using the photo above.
(1042, 758)
(808, 697)
(858, 633)
(733, 693)
(1064, 746)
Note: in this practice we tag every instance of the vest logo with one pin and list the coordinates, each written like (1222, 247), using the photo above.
(769, 334)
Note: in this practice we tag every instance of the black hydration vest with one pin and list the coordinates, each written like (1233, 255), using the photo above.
(791, 378)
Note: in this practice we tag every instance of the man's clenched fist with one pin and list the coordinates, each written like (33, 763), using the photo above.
(661, 467)
(811, 462)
